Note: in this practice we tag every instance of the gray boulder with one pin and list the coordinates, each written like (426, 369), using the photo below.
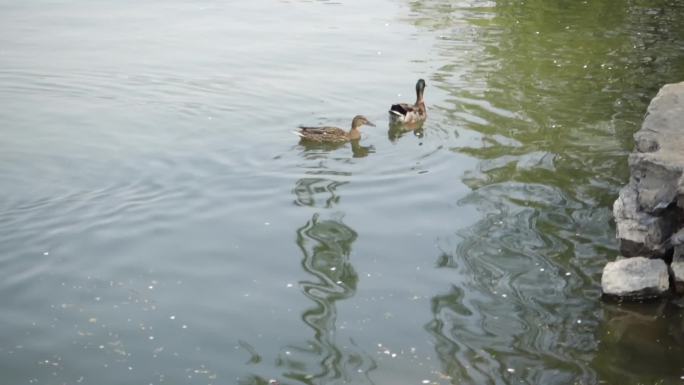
(651, 206)
(635, 278)
(657, 168)
(678, 255)
(676, 241)
(678, 276)
(638, 233)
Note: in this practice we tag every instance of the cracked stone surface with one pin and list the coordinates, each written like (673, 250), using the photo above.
(639, 233)
(678, 276)
(657, 167)
(635, 278)
(649, 207)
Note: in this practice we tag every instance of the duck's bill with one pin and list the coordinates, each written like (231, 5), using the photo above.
(370, 124)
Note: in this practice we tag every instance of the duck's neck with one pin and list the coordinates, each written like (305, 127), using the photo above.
(420, 103)
(354, 133)
(419, 97)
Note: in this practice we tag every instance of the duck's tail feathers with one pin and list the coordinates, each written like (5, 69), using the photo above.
(299, 134)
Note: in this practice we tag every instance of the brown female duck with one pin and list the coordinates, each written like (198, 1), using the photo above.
(333, 134)
(407, 113)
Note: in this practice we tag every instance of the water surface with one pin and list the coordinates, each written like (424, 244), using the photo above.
(159, 223)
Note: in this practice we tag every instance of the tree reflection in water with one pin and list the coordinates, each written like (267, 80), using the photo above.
(306, 190)
(326, 246)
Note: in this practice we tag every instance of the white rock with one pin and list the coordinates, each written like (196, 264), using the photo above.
(635, 278)
(678, 276)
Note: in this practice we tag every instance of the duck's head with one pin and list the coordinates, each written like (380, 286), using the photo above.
(420, 87)
(360, 120)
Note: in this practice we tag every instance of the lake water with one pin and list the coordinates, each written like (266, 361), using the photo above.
(160, 223)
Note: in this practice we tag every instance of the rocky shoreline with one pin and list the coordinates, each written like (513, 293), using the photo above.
(649, 211)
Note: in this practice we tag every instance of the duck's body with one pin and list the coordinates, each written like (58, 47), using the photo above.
(410, 113)
(327, 134)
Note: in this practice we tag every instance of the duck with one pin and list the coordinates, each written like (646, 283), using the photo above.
(410, 113)
(328, 134)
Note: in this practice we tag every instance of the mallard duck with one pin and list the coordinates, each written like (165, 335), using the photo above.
(333, 134)
(407, 113)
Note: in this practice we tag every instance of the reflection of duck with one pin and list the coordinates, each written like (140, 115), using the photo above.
(396, 131)
(407, 113)
(333, 134)
(358, 151)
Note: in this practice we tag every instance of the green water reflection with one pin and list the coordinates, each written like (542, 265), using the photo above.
(548, 95)
(633, 337)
